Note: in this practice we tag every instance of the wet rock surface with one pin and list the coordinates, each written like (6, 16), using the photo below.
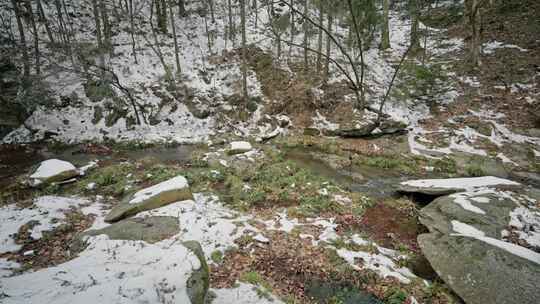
(149, 229)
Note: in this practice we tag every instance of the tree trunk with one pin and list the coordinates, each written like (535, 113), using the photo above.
(475, 21)
(244, 59)
(31, 17)
(132, 29)
(385, 35)
(320, 41)
(175, 39)
(43, 18)
(107, 44)
(292, 30)
(305, 24)
(328, 47)
(99, 38)
(181, 8)
(415, 40)
(211, 6)
(232, 33)
(22, 37)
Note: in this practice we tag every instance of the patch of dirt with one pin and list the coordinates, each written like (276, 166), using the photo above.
(391, 227)
(54, 248)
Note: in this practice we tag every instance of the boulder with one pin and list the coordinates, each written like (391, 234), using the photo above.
(480, 272)
(440, 187)
(466, 249)
(149, 229)
(170, 191)
(237, 147)
(53, 170)
(199, 280)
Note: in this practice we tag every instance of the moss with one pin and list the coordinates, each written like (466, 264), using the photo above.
(395, 296)
(390, 162)
(474, 170)
(97, 90)
(216, 256)
(445, 165)
(111, 180)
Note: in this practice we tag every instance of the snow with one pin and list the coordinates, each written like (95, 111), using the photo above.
(460, 183)
(206, 220)
(466, 229)
(48, 211)
(527, 223)
(462, 200)
(176, 183)
(490, 47)
(52, 167)
(110, 271)
(380, 263)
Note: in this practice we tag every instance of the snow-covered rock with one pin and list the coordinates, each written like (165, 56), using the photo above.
(237, 147)
(53, 170)
(167, 192)
(468, 245)
(440, 187)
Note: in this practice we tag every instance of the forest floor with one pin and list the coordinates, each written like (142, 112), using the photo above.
(300, 218)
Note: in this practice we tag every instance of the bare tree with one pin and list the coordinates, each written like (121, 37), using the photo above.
(244, 59)
(175, 39)
(132, 30)
(385, 31)
(30, 13)
(22, 37)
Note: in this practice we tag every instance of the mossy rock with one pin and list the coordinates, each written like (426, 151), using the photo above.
(149, 229)
(198, 283)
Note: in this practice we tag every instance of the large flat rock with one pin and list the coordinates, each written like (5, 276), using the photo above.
(170, 191)
(439, 187)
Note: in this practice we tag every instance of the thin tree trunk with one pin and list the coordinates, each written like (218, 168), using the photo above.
(475, 22)
(232, 33)
(292, 30)
(99, 38)
(256, 10)
(106, 27)
(181, 8)
(328, 47)
(43, 18)
(385, 35)
(30, 12)
(415, 40)
(211, 6)
(306, 60)
(22, 37)
(320, 41)
(362, 97)
(132, 26)
(244, 59)
(175, 39)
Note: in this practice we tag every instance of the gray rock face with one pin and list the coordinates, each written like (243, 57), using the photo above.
(439, 214)
(529, 178)
(464, 228)
(150, 229)
(434, 191)
(481, 273)
(198, 283)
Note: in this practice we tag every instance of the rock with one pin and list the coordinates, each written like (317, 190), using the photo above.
(238, 147)
(533, 132)
(53, 170)
(440, 187)
(199, 281)
(391, 127)
(465, 248)
(149, 229)
(529, 178)
(481, 273)
(438, 215)
(162, 194)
